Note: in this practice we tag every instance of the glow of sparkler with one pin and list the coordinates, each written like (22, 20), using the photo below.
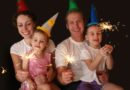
(106, 26)
(28, 56)
(69, 60)
(49, 65)
(3, 71)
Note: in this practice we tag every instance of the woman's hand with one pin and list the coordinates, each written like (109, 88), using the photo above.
(22, 75)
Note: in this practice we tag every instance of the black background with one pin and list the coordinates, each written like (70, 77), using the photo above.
(113, 10)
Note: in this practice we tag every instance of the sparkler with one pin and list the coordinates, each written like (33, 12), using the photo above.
(28, 56)
(106, 26)
(3, 71)
(69, 60)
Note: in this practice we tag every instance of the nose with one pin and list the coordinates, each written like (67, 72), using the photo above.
(25, 28)
(76, 25)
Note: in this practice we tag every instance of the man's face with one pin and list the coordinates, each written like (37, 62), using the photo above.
(75, 24)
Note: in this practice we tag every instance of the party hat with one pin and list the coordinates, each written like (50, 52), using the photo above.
(47, 26)
(93, 17)
(72, 5)
(21, 6)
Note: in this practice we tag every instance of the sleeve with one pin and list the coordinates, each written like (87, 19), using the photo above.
(85, 55)
(60, 54)
(51, 46)
(14, 49)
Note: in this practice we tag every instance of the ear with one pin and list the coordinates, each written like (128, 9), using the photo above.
(86, 37)
(67, 26)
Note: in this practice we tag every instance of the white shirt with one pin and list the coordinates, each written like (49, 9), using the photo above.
(20, 48)
(71, 48)
(88, 75)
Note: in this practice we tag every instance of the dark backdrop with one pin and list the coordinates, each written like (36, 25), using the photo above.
(113, 10)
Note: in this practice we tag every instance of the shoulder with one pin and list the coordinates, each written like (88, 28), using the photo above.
(64, 43)
(17, 45)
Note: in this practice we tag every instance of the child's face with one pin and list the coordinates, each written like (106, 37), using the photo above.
(39, 41)
(25, 26)
(94, 36)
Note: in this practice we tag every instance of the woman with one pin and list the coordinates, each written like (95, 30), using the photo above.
(25, 22)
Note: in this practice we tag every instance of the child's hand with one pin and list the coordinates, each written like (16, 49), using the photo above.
(40, 79)
(106, 50)
(32, 85)
(109, 49)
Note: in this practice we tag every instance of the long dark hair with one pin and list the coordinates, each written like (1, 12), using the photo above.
(28, 13)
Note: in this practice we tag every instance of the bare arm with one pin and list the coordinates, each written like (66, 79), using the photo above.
(93, 64)
(16, 62)
(21, 75)
(109, 62)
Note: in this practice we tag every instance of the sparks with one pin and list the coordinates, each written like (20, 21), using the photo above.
(3, 71)
(69, 60)
(28, 56)
(106, 26)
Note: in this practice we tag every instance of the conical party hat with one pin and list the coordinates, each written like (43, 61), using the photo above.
(72, 5)
(47, 26)
(21, 6)
(93, 17)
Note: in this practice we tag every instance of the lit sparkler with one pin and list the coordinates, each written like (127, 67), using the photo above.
(3, 71)
(28, 56)
(106, 26)
(69, 60)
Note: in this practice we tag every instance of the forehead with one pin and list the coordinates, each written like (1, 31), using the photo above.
(93, 29)
(74, 15)
(39, 34)
(23, 18)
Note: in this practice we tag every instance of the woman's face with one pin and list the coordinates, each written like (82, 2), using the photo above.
(25, 26)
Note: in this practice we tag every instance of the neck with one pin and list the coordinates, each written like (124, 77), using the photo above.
(28, 41)
(93, 46)
(39, 54)
(78, 39)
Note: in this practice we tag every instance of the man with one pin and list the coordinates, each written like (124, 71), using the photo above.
(71, 47)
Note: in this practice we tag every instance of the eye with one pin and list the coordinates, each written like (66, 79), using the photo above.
(19, 25)
(71, 22)
(35, 40)
(42, 41)
(29, 23)
(92, 34)
(99, 33)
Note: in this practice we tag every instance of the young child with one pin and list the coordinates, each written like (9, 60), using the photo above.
(95, 58)
(38, 62)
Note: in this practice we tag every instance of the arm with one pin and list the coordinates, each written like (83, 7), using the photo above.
(86, 56)
(109, 61)
(93, 64)
(20, 74)
(64, 75)
(50, 74)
